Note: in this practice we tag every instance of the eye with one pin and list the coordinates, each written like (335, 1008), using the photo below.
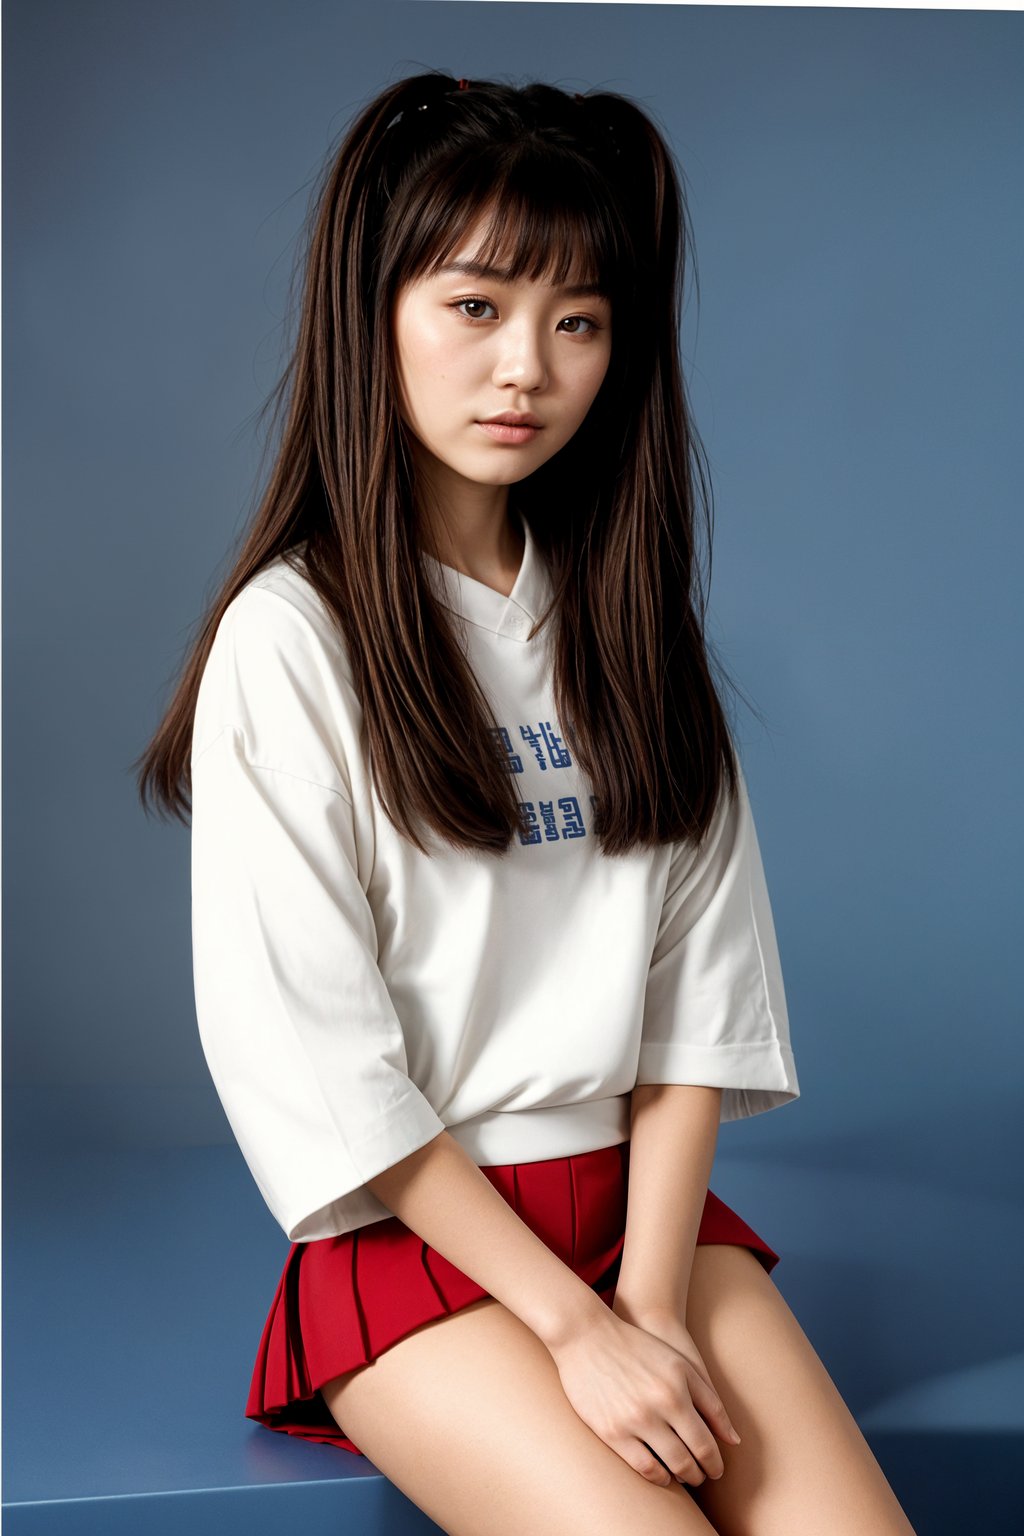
(586, 321)
(482, 303)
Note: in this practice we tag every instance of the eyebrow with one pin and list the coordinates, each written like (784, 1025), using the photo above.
(503, 275)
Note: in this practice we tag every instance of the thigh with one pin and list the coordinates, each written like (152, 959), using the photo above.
(467, 1416)
(803, 1465)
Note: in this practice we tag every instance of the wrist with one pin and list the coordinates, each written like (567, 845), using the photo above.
(565, 1323)
(648, 1312)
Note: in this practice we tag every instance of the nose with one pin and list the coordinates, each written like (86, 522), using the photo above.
(521, 360)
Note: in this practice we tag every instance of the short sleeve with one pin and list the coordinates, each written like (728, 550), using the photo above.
(715, 1006)
(298, 1029)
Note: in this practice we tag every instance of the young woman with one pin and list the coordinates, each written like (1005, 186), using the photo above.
(483, 949)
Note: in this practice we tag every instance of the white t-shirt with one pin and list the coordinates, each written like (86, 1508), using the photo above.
(355, 997)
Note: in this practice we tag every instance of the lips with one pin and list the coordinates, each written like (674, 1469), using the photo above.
(512, 419)
(508, 432)
(511, 427)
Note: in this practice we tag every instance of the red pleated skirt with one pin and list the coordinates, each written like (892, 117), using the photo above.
(342, 1301)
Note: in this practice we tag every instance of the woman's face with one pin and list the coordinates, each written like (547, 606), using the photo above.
(470, 346)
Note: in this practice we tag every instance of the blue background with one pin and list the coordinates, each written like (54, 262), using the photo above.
(854, 364)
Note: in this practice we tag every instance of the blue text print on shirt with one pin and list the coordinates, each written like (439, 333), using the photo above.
(571, 820)
(549, 821)
(545, 743)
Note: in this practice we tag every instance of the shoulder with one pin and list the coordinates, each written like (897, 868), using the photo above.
(278, 673)
(280, 605)
(285, 577)
(279, 619)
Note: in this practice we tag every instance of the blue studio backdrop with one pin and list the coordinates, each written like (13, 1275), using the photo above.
(854, 363)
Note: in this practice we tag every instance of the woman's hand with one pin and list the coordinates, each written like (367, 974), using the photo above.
(643, 1395)
(667, 1325)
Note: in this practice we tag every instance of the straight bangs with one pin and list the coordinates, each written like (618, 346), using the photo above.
(547, 218)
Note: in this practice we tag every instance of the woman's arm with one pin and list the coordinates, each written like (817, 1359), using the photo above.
(441, 1194)
(637, 1392)
(673, 1134)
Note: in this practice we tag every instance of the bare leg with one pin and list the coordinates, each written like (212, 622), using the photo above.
(467, 1416)
(803, 1467)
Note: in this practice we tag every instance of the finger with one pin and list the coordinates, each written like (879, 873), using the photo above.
(643, 1460)
(699, 1440)
(691, 1354)
(695, 1361)
(677, 1456)
(709, 1405)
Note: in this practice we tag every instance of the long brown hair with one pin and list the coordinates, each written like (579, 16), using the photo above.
(579, 188)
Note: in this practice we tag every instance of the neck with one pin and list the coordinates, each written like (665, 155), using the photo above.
(472, 528)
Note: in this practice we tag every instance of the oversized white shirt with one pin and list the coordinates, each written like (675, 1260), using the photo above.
(355, 997)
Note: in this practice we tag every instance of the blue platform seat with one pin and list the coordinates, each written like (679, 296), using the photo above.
(135, 1288)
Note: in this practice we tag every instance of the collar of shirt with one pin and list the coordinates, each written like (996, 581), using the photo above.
(512, 616)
